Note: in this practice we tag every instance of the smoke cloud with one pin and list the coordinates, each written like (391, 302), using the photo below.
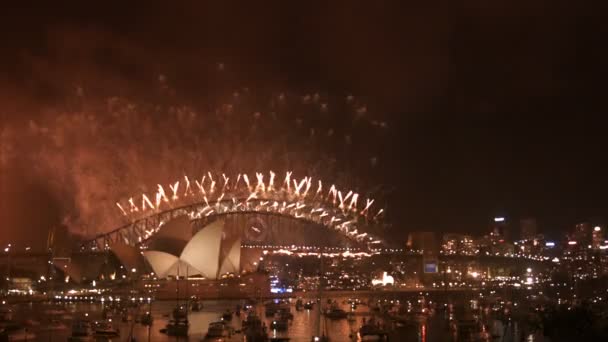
(91, 152)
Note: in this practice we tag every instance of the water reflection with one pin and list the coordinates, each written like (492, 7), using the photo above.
(442, 325)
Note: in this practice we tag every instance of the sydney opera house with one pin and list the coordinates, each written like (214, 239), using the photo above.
(177, 261)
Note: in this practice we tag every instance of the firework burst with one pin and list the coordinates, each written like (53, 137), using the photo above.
(101, 151)
(299, 203)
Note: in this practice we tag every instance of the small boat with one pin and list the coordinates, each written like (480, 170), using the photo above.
(279, 324)
(106, 328)
(218, 330)
(195, 304)
(55, 312)
(146, 319)
(179, 313)
(309, 305)
(336, 313)
(372, 332)
(299, 304)
(81, 331)
(270, 309)
(351, 317)
(252, 319)
(254, 329)
(177, 328)
(127, 316)
(15, 332)
(107, 314)
(284, 313)
(227, 315)
(55, 325)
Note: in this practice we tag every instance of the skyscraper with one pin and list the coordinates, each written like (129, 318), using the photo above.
(528, 229)
(597, 237)
(582, 234)
(500, 229)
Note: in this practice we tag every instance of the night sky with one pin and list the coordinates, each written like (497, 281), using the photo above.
(493, 108)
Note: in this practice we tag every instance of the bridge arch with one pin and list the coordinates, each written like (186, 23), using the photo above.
(215, 196)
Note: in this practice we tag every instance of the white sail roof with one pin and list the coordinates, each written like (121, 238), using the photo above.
(161, 262)
(172, 236)
(205, 254)
(203, 250)
(231, 260)
(129, 256)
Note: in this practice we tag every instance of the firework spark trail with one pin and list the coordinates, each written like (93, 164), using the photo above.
(260, 186)
(379, 213)
(121, 209)
(162, 195)
(219, 199)
(334, 193)
(271, 181)
(308, 185)
(236, 183)
(226, 179)
(201, 186)
(132, 207)
(212, 187)
(353, 202)
(298, 186)
(287, 180)
(253, 195)
(246, 179)
(146, 202)
(367, 206)
(174, 187)
(187, 190)
(319, 188)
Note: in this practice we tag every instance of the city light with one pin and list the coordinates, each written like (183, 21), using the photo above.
(597, 228)
(499, 219)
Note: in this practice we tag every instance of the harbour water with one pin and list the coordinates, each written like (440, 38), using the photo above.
(52, 322)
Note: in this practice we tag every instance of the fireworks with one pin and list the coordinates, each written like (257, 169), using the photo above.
(296, 200)
(107, 149)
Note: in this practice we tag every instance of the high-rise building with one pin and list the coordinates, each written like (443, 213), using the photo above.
(597, 237)
(499, 229)
(582, 234)
(528, 229)
(458, 244)
(426, 243)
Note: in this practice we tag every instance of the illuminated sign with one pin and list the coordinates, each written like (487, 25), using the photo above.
(550, 244)
(499, 219)
(430, 267)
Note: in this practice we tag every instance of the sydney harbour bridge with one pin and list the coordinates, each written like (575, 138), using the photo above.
(264, 210)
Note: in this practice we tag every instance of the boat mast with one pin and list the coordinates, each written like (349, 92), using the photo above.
(187, 285)
(320, 295)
